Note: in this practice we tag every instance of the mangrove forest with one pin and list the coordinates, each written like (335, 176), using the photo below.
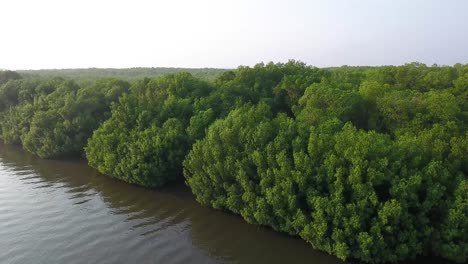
(364, 163)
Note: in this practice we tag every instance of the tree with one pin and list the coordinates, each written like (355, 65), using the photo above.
(150, 130)
(6, 76)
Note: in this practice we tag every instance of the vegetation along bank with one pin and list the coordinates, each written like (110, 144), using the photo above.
(366, 163)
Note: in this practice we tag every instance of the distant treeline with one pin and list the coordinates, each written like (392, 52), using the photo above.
(366, 163)
(129, 74)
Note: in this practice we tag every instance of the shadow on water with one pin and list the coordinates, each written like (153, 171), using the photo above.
(221, 237)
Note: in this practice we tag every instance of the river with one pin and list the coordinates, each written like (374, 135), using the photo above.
(65, 212)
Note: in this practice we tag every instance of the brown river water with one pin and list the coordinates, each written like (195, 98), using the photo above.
(63, 211)
(66, 212)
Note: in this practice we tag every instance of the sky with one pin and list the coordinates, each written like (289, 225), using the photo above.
(226, 34)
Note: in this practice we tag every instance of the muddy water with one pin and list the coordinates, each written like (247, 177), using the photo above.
(66, 212)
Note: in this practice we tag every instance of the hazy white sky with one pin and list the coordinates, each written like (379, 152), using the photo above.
(217, 33)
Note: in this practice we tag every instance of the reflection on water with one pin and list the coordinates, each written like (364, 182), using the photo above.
(66, 212)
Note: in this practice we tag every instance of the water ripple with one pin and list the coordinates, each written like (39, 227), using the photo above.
(65, 212)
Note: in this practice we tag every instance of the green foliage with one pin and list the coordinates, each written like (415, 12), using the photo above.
(151, 130)
(6, 76)
(322, 102)
(366, 163)
(55, 118)
(452, 243)
(91, 75)
(15, 123)
(372, 166)
(280, 85)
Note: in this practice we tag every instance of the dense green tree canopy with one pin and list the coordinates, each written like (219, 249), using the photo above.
(6, 76)
(280, 85)
(366, 163)
(55, 118)
(372, 165)
(129, 74)
(151, 130)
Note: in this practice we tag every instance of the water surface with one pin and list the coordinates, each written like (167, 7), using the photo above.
(66, 212)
